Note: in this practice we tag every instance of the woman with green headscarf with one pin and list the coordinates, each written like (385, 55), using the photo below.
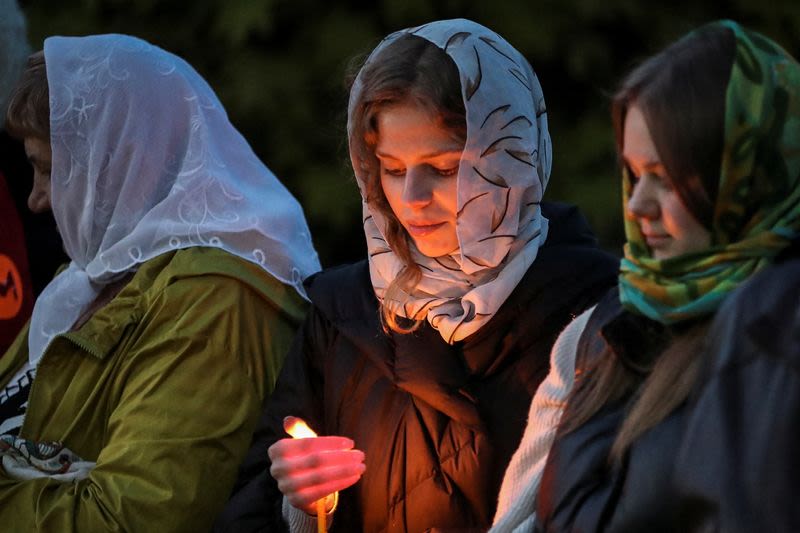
(708, 134)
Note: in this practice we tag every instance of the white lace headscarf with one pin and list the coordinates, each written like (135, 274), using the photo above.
(501, 178)
(145, 161)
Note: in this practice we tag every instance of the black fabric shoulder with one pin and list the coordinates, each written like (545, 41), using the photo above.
(773, 323)
(592, 342)
(634, 339)
(765, 313)
(566, 225)
(566, 277)
(344, 292)
(736, 466)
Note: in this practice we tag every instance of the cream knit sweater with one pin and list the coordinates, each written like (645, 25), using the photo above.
(516, 506)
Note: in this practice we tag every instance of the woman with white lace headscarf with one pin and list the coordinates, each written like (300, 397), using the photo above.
(130, 400)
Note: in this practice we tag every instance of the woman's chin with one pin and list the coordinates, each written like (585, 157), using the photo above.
(434, 250)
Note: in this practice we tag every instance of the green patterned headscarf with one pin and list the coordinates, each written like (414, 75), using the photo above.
(757, 210)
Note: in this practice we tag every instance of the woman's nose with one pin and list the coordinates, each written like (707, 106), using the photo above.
(642, 203)
(39, 199)
(417, 192)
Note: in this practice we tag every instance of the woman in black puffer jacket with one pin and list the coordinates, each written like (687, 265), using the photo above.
(418, 364)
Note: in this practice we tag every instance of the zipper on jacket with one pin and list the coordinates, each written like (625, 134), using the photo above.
(35, 382)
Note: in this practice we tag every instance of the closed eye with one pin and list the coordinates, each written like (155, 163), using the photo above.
(633, 176)
(445, 172)
(639, 166)
(664, 181)
(396, 172)
(659, 180)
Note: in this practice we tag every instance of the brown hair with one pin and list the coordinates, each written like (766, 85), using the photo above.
(410, 70)
(28, 112)
(681, 93)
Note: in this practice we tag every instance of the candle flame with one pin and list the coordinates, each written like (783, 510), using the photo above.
(298, 429)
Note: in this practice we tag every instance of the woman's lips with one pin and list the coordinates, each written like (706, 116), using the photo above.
(422, 229)
(656, 240)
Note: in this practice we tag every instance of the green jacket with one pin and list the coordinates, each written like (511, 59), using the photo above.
(162, 387)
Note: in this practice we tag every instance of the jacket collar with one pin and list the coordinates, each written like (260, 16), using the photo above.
(102, 332)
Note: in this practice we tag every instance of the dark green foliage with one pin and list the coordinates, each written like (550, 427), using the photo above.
(279, 67)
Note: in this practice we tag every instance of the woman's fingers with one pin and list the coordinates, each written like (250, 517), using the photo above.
(295, 447)
(312, 468)
(316, 484)
(305, 498)
(287, 465)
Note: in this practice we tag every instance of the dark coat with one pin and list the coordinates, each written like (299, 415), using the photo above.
(738, 467)
(725, 460)
(580, 489)
(438, 423)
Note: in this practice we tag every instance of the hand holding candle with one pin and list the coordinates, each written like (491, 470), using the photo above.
(309, 468)
(298, 429)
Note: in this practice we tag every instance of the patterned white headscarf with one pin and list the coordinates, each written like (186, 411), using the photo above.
(501, 178)
(145, 161)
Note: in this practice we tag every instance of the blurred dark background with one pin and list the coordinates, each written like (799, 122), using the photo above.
(279, 67)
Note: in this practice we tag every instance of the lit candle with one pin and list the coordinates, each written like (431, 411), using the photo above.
(298, 429)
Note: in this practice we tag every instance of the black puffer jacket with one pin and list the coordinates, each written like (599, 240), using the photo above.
(438, 423)
(725, 460)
